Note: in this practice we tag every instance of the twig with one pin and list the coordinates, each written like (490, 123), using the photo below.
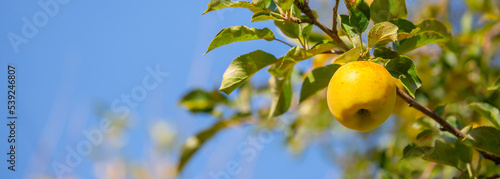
(283, 42)
(337, 52)
(304, 8)
(445, 125)
(335, 10)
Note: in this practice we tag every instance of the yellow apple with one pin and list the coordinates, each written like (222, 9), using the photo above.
(361, 95)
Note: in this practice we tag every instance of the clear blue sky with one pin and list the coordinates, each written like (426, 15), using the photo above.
(86, 53)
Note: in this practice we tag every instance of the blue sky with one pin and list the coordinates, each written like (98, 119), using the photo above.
(90, 53)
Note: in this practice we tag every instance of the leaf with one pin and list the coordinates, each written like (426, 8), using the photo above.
(263, 16)
(349, 56)
(385, 53)
(419, 40)
(404, 69)
(488, 111)
(285, 5)
(424, 133)
(440, 110)
(346, 25)
(290, 29)
(201, 101)
(194, 143)
(485, 139)
(281, 94)
(412, 150)
(382, 32)
(244, 67)
(495, 86)
(238, 34)
(464, 152)
(359, 12)
(405, 28)
(317, 80)
(435, 25)
(262, 3)
(221, 4)
(442, 153)
(386, 10)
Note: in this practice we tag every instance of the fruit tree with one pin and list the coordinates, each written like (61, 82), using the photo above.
(435, 75)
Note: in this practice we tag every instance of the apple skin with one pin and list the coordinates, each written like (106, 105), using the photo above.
(361, 95)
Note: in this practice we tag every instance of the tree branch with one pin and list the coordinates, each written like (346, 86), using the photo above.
(335, 10)
(304, 8)
(446, 126)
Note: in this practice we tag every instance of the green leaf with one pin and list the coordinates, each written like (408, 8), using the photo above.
(285, 5)
(443, 153)
(404, 69)
(405, 28)
(485, 139)
(290, 29)
(349, 56)
(495, 86)
(435, 25)
(382, 32)
(464, 152)
(281, 94)
(264, 16)
(385, 53)
(221, 4)
(238, 34)
(412, 150)
(201, 101)
(262, 3)
(386, 10)
(359, 12)
(419, 40)
(488, 111)
(317, 80)
(244, 67)
(425, 133)
(440, 110)
(194, 143)
(346, 25)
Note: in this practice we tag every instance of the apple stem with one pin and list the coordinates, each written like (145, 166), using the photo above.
(445, 125)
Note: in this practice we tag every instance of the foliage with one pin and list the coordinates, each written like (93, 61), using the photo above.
(433, 65)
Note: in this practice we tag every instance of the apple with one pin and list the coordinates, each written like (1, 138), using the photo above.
(361, 95)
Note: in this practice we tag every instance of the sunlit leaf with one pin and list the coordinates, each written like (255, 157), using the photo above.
(238, 34)
(263, 16)
(382, 32)
(349, 56)
(281, 94)
(290, 29)
(285, 5)
(405, 28)
(488, 111)
(244, 67)
(435, 25)
(404, 69)
(425, 133)
(261, 3)
(419, 40)
(221, 4)
(386, 10)
(485, 139)
(202, 101)
(317, 80)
